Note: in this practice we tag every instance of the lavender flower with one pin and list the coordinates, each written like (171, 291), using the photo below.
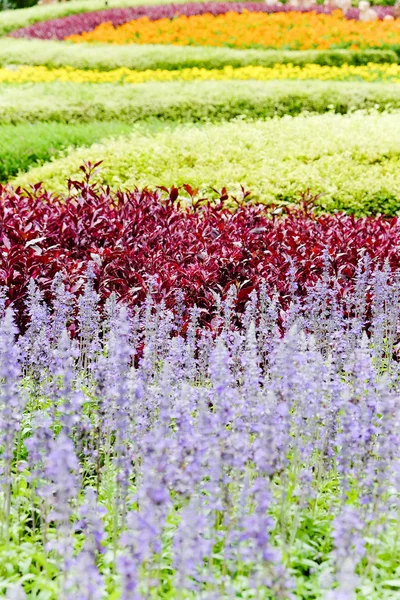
(155, 456)
(192, 544)
(35, 344)
(58, 491)
(11, 407)
(62, 308)
(83, 579)
(349, 548)
(89, 319)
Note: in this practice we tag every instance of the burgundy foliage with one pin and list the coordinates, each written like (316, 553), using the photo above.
(61, 28)
(202, 249)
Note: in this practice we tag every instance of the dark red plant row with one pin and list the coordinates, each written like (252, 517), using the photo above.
(202, 249)
(75, 24)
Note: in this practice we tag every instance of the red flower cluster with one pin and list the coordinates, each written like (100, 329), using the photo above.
(202, 249)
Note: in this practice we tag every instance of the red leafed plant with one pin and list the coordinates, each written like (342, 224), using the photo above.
(200, 248)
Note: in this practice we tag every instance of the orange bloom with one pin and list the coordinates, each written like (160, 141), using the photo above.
(292, 31)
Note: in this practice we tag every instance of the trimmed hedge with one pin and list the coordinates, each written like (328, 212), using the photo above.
(22, 146)
(197, 101)
(106, 57)
(353, 159)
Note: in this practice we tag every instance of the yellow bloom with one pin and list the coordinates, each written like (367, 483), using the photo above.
(370, 72)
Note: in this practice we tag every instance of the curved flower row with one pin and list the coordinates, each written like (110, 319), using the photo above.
(294, 31)
(77, 24)
(201, 250)
(370, 72)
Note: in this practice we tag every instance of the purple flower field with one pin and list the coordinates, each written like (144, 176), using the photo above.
(61, 28)
(243, 460)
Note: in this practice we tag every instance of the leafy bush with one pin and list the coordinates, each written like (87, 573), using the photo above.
(140, 233)
(16, 4)
(189, 101)
(354, 160)
(105, 57)
(22, 146)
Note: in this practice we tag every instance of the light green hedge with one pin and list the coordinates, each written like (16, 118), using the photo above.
(353, 159)
(23, 17)
(22, 146)
(188, 101)
(53, 54)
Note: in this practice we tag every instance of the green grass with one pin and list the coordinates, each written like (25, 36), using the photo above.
(53, 54)
(354, 160)
(200, 101)
(22, 146)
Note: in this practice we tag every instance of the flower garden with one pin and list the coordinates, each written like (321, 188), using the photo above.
(199, 301)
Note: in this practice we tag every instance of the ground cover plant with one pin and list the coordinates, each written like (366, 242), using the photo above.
(22, 146)
(65, 115)
(106, 57)
(185, 102)
(275, 159)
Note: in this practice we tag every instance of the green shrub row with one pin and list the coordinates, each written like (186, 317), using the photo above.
(353, 159)
(189, 101)
(23, 17)
(105, 57)
(22, 146)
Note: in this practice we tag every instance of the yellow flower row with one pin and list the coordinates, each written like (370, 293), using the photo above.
(370, 72)
(291, 30)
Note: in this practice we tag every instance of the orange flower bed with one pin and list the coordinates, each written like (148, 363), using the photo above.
(292, 30)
